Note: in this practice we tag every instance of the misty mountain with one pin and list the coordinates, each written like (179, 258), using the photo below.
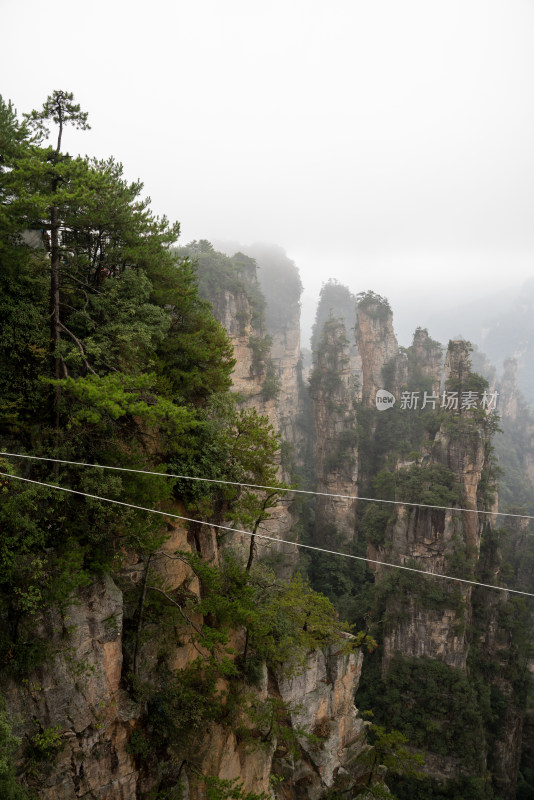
(502, 326)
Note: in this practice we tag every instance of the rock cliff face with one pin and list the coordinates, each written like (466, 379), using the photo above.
(265, 377)
(497, 644)
(377, 344)
(426, 357)
(422, 618)
(324, 697)
(79, 697)
(515, 450)
(83, 747)
(335, 390)
(234, 312)
(439, 540)
(509, 392)
(517, 424)
(266, 341)
(285, 355)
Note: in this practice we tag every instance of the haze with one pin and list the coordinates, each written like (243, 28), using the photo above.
(386, 144)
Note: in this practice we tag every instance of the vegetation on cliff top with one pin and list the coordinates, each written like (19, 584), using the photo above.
(109, 354)
(421, 457)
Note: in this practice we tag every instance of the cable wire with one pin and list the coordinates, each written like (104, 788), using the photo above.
(272, 488)
(264, 536)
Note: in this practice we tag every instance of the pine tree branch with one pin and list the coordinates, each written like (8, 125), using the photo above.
(80, 347)
(179, 607)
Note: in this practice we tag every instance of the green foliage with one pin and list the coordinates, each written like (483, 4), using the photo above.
(10, 788)
(329, 360)
(335, 301)
(434, 484)
(214, 789)
(218, 274)
(224, 789)
(196, 357)
(260, 347)
(383, 438)
(61, 109)
(280, 283)
(400, 591)
(178, 707)
(46, 743)
(511, 447)
(294, 621)
(226, 444)
(138, 744)
(374, 305)
(97, 399)
(144, 372)
(389, 750)
(23, 341)
(272, 720)
(271, 384)
(284, 619)
(472, 787)
(343, 454)
(263, 366)
(375, 523)
(435, 706)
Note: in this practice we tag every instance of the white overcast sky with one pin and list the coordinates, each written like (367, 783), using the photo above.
(386, 143)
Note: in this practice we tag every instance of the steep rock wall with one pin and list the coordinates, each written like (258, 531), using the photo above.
(426, 618)
(438, 541)
(335, 391)
(79, 695)
(377, 346)
(265, 378)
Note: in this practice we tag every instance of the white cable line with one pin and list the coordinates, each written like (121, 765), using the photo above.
(264, 536)
(275, 488)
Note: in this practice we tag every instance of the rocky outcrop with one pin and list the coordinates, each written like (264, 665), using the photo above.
(265, 378)
(517, 423)
(80, 744)
(509, 391)
(426, 359)
(322, 699)
(234, 312)
(335, 390)
(377, 345)
(439, 541)
(86, 719)
(415, 627)
(329, 733)
(422, 618)
(285, 356)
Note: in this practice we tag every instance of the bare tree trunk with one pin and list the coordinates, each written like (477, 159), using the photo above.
(60, 369)
(262, 516)
(55, 321)
(252, 548)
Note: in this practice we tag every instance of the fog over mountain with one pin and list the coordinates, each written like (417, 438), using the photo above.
(385, 145)
(346, 173)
